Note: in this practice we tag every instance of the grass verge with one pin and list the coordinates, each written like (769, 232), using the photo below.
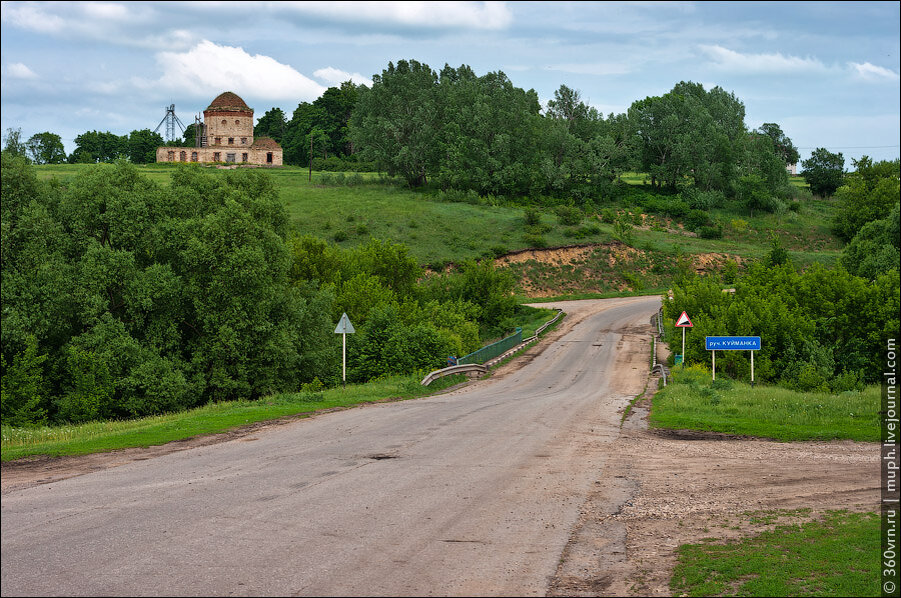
(692, 401)
(838, 556)
(96, 437)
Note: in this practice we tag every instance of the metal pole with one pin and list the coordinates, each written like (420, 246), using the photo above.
(752, 369)
(344, 359)
(683, 348)
(714, 363)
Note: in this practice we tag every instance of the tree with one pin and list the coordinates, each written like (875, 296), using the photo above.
(96, 146)
(823, 171)
(13, 143)
(782, 144)
(869, 193)
(46, 148)
(396, 121)
(141, 146)
(271, 124)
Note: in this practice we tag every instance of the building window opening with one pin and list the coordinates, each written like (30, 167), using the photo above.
(217, 157)
(243, 140)
(231, 140)
(193, 156)
(229, 157)
(218, 140)
(244, 157)
(183, 156)
(268, 157)
(224, 122)
(171, 156)
(237, 122)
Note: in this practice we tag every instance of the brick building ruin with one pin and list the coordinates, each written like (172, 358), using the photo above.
(226, 135)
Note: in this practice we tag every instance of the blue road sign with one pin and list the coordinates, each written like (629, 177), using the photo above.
(732, 343)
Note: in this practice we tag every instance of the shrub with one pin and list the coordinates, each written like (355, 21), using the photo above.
(569, 215)
(534, 240)
(531, 216)
(711, 232)
(695, 219)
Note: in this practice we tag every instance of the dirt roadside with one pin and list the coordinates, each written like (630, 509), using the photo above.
(663, 489)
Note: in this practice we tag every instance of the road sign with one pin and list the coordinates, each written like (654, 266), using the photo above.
(732, 343)
(684, 321)
(344, 326)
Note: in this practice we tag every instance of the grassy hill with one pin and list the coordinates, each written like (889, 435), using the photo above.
(348, 210)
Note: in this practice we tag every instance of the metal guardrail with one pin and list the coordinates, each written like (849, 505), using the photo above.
(472, 367)
(489, 352)
(466, 368)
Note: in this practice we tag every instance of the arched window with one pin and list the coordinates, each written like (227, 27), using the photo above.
(183, 156)
(224, 122)
(237, 122)
(193, 156)
(171, 155)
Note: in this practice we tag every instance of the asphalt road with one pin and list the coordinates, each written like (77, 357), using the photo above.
(474, 492)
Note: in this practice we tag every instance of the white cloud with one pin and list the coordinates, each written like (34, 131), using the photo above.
(208, 68)
(593, 68)
(475, 15)
(871, 72)
(20, 71)
(106, 10)
(730, 60)
(335, 76)
(33, 17)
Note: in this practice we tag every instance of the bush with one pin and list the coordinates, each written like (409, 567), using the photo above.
(695, 219)
(531, 216)
(569, 215)
(534, 240)
(711, 232)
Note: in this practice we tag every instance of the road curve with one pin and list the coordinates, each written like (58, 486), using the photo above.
(473, 492)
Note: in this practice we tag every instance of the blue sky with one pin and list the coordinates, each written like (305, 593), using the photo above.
(826, 72)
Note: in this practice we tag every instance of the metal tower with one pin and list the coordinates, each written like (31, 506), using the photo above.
(171, 120)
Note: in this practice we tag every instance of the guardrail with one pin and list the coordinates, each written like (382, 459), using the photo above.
(466, 368)
(491, 351)
(473, 367)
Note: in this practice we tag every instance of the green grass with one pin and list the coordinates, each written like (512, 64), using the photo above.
(97, 437)
(838, 556)
(440, 232)
(693, 402)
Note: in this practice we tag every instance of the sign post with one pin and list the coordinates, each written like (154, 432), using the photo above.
(344, 328)
(732, 343)
(683, 322)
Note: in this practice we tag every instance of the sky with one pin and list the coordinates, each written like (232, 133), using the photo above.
(826, 72)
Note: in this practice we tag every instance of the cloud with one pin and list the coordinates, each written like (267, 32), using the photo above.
(335, 76)
(871, 72)
(593, 68)
(20, 71)
(131, 24)
(732, 61)
(209, 69)
(434, 15)
(32, 17)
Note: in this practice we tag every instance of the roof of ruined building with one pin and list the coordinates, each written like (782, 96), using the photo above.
(228, 101)
(265, 143)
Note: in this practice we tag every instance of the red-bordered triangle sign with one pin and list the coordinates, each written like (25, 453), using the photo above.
(684, 321)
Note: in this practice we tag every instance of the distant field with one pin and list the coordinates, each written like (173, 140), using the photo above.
(439, 232)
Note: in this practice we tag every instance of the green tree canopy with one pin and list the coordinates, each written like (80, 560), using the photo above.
(824, 171)
(46, 148)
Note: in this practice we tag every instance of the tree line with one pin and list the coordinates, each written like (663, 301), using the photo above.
(463, 131)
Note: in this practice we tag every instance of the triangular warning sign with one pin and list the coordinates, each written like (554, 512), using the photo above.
(684, 321)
